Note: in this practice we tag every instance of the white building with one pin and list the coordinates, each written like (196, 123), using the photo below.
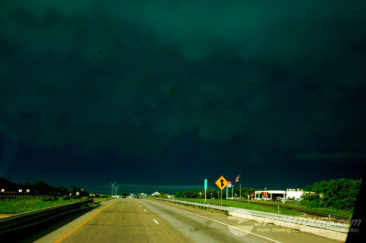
(289, 194)
(269, 194)
(294, 194)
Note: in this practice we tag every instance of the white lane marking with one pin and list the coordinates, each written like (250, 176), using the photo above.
(230, 226)
(156, 222)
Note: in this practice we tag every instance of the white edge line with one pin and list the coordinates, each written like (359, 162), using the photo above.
(156, 222)
(230, 226)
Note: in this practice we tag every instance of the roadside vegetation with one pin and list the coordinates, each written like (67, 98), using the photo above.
(337, 194)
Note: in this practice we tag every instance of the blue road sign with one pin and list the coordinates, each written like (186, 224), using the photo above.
(205, 184)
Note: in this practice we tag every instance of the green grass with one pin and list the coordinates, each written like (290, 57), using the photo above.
(335, 212)
(21, 205)
(300, 205)
(246, 205)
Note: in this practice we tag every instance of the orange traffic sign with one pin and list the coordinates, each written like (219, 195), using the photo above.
(221, 183)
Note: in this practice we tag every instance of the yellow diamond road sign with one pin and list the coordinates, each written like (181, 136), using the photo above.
(221, 183)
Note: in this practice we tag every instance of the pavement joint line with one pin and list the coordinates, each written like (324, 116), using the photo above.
(230, 226)
(156, 222)
(81, 224)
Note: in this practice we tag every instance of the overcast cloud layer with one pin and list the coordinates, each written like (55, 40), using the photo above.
(153, 87)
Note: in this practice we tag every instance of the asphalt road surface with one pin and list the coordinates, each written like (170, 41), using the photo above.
(133, 220)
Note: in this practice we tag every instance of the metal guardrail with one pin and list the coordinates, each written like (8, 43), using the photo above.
(33, 218)
(322, 224)
(22, 195)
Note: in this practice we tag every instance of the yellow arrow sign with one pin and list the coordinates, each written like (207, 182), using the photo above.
(221, 183)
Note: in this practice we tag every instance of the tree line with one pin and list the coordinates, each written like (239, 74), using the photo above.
(337, 193)
(39, 187)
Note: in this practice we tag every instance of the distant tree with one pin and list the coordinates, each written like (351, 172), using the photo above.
(40, 187)
(8, 185)
(60, 191)
(245, 191)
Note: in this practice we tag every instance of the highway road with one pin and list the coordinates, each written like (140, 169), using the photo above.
(134, 220)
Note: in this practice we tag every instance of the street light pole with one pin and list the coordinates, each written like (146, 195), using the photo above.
(116, 188)
(112, 184)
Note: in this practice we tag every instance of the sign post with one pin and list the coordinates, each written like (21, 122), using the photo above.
(227, 193)
(205, 187)
(230, 185)
(240, 191)
(221, 183)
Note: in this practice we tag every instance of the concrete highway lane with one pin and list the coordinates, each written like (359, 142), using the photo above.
(133, 220)
(123, 220)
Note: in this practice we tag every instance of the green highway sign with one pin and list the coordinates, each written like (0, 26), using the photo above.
(205, 184)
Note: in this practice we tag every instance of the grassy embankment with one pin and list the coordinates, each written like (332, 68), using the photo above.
(251, 206)
(301, 205)
(267, 208)
(21, 205)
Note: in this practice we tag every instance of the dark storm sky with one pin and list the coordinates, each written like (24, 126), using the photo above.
(171, 92)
